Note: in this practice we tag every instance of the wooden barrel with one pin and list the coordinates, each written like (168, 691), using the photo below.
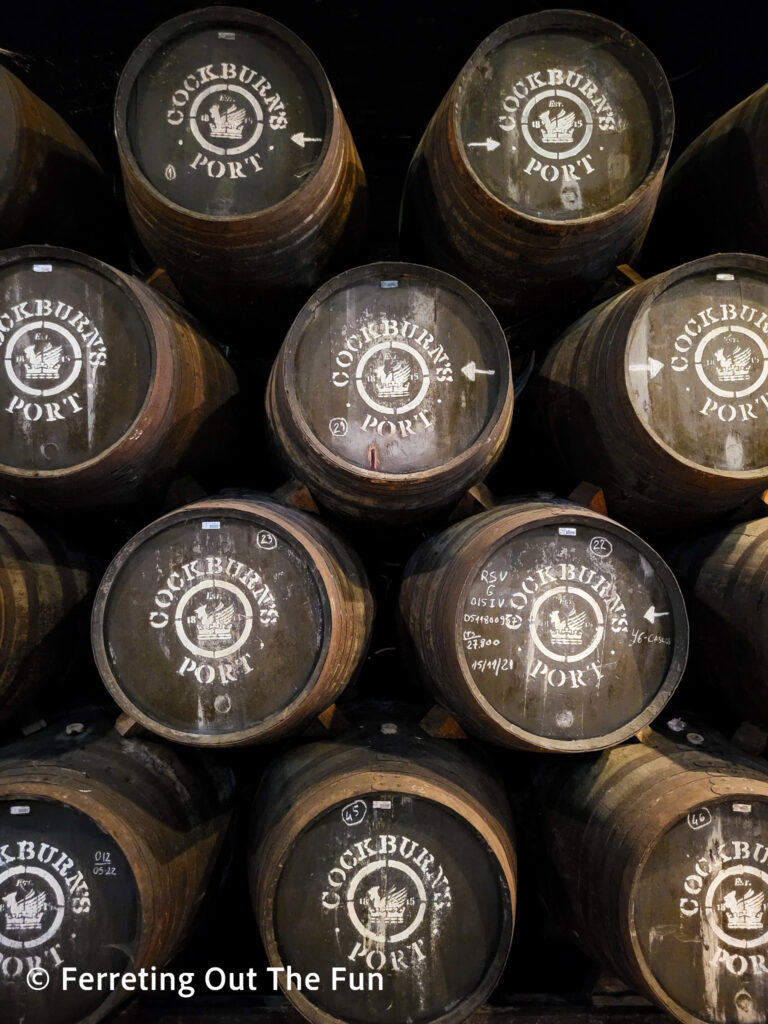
(545, 626)
(231, 621)
(660, 849)
(106, 391)
(715, 197)
(724, 577)
(660, 396)
(51, 188)
(392, 393)
(240, 173)
(388, 858)
(107, 846)
(43, 590)
(539, 172)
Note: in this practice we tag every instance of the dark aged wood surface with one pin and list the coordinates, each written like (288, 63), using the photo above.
(540, 170)
(545, 626)
(724, 577)
(725, 173)
(392, 393)
(231, 621)
(119, 837)
(387, 853)
(106, 389)
(660, 852)
(44, 586)
(241, 176)
(660, 395)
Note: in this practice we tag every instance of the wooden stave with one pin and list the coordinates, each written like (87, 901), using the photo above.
(319, 775)
(587, 414)
(322, 218)
(365, 495)
(192, 386)
(350, 607)
(167, 812)
(467, 227)
(602, 820)
(433, 581)
(48, 584)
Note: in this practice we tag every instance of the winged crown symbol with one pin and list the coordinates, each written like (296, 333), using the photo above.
(392, 383)
(43, 365)
(216, 624)
(26, 912)
(387, 907)
(734, 366)
(558, 128)
(227, 124)
(745, 913)
(567, 630)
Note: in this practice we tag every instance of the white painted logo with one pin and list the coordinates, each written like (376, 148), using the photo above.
(225, 108)
(567, 624)
(557, 113)
(732, 361)
(46, 346)
(39, 884)
(393, 893)
(397, 368)
(214, 604)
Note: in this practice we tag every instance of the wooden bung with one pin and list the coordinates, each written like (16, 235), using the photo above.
(386, 853)
(545, 626)
(241, 176)
(660, 853)
(539, 172)
(44, 586)
(392, 393)
(231, 621)
(106, 390)
(661, 394)
(106, 847)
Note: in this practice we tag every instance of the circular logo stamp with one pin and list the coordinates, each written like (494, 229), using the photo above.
(214, 619)
(226, 119)
(732, 361)
(567, 624)
(42, 358)
(392, 377)
(386, 901)
(556, 124)
(735, 906)
(32, 906)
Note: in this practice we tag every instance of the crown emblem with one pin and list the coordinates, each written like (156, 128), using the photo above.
(745, 913)
(42, 365)
(227, 124)
(558, 128)
(392, 383)
(734, 367)
(386, 908)
(568, 630)
(214, 626)
(24, 908)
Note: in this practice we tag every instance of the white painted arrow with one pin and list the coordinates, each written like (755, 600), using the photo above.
(651, 615)
(471, 371)
(489, 144)
(301, 139)
(653, 367)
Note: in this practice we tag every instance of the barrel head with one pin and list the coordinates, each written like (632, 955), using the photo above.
(697, 364)
(211, 625)
(699, 912)
(573, 632)
(76, 360)
(68, 897)
(225, 112)
(397, 884)
(558, 116)
(397, 369)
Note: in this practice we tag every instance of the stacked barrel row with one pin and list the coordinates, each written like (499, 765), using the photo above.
(229, 617)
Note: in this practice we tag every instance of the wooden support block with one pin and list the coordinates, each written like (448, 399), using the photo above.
(127, 726)
(477, 499)
(297, 495)
(161, 282)
(441, 724)
(331, 722)
(631, 275)
(590, 496)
